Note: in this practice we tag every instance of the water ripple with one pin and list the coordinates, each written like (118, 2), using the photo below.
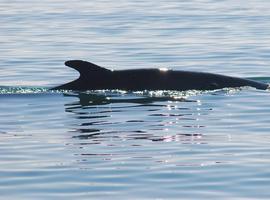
(133, 145)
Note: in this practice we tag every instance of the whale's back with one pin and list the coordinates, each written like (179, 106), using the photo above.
(94, 77)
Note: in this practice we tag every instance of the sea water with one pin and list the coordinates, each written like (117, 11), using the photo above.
(133, 145)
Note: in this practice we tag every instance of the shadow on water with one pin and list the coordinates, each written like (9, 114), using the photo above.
(107, 117)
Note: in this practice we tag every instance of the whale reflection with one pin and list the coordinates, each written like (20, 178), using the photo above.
(133, 117)
(89, 99)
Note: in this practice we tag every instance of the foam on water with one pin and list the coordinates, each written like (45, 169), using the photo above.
(22, 90)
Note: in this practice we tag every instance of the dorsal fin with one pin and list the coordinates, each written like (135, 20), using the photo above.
(85, 68)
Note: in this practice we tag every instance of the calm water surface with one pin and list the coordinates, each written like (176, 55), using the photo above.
(145, 145)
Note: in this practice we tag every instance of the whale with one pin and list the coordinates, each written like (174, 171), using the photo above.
(94, 77)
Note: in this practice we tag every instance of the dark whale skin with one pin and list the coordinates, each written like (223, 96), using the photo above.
(93, 77)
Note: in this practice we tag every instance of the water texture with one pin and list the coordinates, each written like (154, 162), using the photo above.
(133, 145)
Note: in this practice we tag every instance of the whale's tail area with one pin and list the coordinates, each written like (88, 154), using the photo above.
(88, 71)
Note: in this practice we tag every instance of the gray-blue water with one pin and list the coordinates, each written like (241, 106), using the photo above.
(117, 145)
